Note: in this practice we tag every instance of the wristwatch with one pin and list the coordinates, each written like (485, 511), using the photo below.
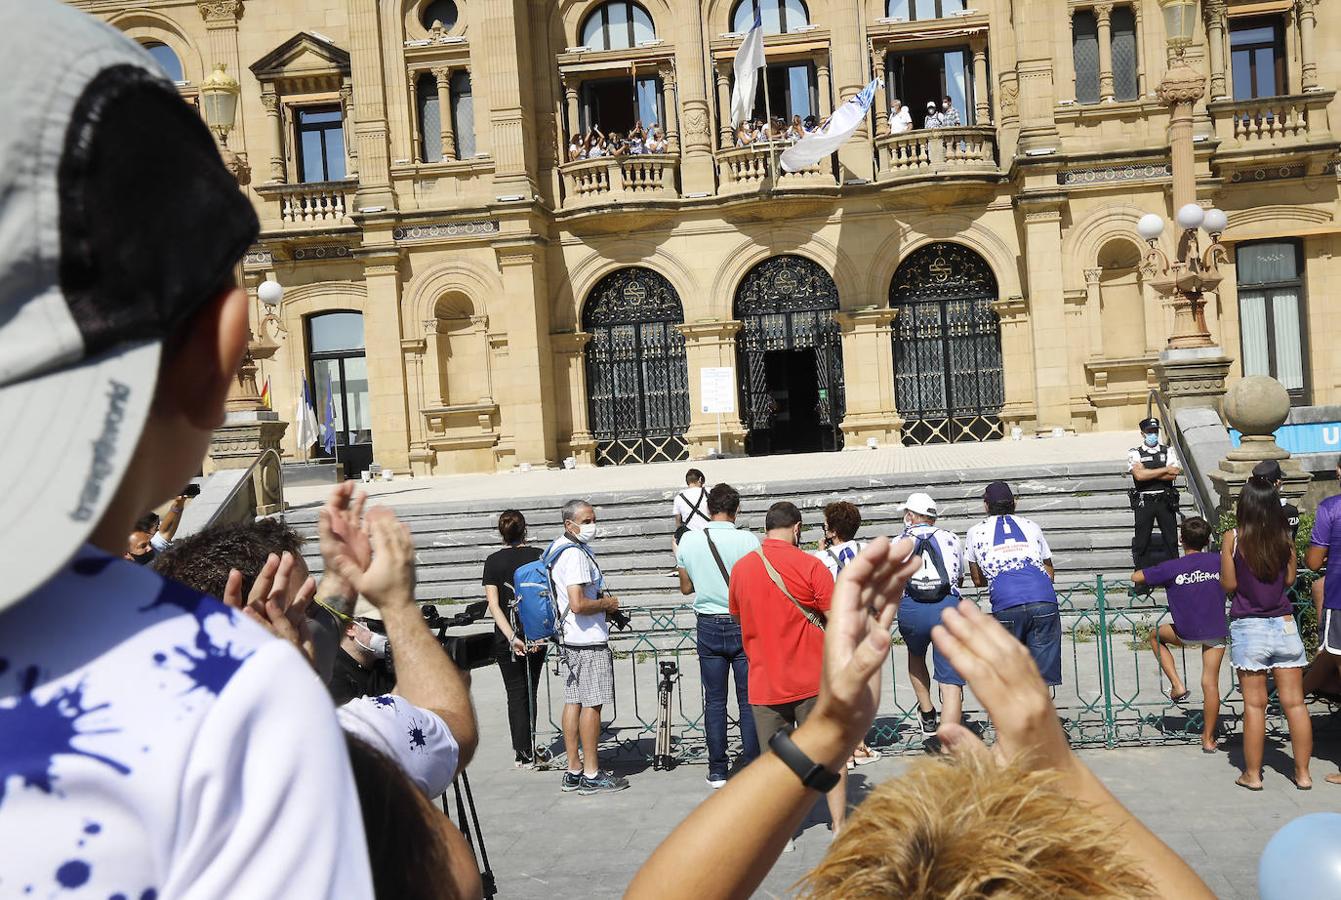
(812, 774)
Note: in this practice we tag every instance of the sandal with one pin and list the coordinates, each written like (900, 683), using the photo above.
(1247, 787)
(1180, 699)
(863, 755)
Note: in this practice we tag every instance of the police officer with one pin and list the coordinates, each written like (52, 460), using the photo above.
(1269, 469)
(1153, 467)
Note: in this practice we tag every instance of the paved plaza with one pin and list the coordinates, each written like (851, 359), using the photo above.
(544, 844)
(1075, 448)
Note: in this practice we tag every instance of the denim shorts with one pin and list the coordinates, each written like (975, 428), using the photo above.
(1256, 645)
(915, 623)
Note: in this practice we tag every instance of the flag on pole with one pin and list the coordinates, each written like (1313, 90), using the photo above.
(305, 420)
(328, 422)
(265, 394)
(823, 141)
(749, 60)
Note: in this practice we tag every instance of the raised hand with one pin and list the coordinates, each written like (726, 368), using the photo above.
(276, 602)
(341, 533)
(389, 579)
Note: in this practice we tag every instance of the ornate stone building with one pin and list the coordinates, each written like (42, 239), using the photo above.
(471, 301)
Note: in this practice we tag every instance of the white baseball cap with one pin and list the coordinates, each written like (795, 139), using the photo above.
(119, 222)
(920, 503)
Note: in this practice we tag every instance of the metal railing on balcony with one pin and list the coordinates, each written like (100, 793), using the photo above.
(611, 179)
(968, 150)
(1112, 692)
(747, 169)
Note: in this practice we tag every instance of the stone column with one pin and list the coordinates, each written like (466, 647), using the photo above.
(370, 119)
(880, 107)
(847, 44)
(503, 41)
(1103, 16)
(387, 390)
(1094, 311)
(868, 368)
(1214, 11)
(526, 378)
(570, 388)
(1142, 59)
(693, 123)
(570, 104)
(417, 150)
(982, 109)
(270, 100)
(347, 115)
(1256, 406)
(822, 87)
(724, 129)
(1306, 13)
(1043, 249)
(670, 97)
(710, 345)
(443, 75)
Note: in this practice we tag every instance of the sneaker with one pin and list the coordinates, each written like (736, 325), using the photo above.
(571, 781)
(716, 782)
(522, 762)
(928, 723)
(602, 783)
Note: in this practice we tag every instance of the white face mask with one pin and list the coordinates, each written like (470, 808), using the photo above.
(586, 532)
(908, 520)
(377, 643)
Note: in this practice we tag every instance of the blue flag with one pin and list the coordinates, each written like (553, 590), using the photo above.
(328, 421)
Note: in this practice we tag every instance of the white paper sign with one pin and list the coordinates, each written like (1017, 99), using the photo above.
(718, 388)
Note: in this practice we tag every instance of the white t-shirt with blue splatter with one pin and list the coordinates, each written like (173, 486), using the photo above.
(153, 743)
(1010, 552)
(416, 738)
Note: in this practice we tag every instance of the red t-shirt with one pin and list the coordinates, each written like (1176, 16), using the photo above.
(786, 652)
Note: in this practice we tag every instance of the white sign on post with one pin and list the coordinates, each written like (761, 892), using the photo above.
(718, 387)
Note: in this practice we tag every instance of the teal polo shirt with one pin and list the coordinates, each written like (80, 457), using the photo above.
(694, 556)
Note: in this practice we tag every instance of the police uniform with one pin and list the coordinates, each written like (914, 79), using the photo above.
(1153, 502)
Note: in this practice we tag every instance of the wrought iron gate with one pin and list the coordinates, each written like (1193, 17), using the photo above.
(637, 384)
(947, 347)
(788, 303)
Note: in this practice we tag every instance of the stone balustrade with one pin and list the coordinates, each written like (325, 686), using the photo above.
(747, 169)
(321, 204)
(1267, 118)
(614, 179)
(967, 150)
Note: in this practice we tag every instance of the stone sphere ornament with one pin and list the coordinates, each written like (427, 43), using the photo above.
(1257, 405)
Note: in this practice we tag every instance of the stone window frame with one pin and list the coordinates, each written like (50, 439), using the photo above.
(970, 33)
(1103, 10)
(282, 94)
(811, 45)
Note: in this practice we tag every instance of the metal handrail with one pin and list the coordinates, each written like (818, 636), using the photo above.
(1205, 507)
(246, 476)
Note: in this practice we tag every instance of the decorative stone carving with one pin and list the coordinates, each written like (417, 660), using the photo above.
(696, 122)
(1256, 406)
(227, 11)
(1182, 84)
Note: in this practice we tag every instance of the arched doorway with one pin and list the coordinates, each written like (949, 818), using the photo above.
(637, 386)
(948, 381)
(790, 357)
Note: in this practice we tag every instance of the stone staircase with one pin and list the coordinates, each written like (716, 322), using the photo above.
(1082, 509)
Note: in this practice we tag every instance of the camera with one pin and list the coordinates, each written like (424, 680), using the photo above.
(191, 490)
(618, 619)
(469, 651)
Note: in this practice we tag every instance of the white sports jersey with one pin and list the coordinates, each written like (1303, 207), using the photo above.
(1010, 551)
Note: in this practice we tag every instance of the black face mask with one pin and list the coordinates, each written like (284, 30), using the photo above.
(144, 558)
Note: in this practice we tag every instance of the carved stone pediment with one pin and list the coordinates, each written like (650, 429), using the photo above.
(306, 59)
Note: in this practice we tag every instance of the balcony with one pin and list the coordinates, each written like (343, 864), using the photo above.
(747, 170)
(936, 153)
(312, 206)
(1272, 137)
(619, 179)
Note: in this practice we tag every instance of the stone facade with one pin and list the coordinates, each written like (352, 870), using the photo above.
(470, 247)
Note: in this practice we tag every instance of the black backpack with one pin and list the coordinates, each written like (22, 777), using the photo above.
(931, 584)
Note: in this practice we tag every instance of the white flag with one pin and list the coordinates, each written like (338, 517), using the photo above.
(305, 421)
(749, 60)
(841, 125)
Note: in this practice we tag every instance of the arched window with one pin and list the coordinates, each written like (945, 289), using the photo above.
(778, 16)
(430, 118)
(443, 11)
(167, 59)
(637, 378)
(790, 357)
(948, 382)
(922, 9)
(617, 25)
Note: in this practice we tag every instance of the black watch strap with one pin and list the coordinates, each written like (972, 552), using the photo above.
(812, 774)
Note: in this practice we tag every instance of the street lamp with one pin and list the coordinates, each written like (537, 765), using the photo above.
(218, 101)
(1180, 21)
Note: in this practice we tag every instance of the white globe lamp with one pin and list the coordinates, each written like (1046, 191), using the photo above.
(1150, 226)
(1216, 221)
(270, 293)
(1190, 215)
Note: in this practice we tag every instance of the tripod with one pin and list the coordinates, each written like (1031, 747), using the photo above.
(464, 798)
(663, 759)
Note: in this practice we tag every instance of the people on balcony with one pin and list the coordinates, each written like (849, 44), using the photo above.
(900, 120)
(933, 119)
(656, 142)
(595, 143)
(949, 115)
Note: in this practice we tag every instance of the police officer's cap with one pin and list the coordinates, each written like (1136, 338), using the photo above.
(1148, 425)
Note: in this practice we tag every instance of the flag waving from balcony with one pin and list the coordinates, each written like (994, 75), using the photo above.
(749, 60)
(828, 138)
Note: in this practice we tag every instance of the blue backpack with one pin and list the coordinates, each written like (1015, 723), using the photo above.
(533, 588)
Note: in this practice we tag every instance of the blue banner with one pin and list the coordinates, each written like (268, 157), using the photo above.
(1312, 437)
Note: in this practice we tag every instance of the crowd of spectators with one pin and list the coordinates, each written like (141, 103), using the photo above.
(639, 141)
(776, 130)
(943, 116)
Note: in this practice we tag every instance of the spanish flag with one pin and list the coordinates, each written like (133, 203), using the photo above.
(265, 394)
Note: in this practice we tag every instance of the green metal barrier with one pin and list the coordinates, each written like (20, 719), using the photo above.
(1113, 693)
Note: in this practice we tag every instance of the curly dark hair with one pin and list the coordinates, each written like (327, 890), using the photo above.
(843, 519)
(202, 560)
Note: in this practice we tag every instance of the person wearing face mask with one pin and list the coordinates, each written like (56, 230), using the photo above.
(1153, 467)
(779, 594)
(584, 647)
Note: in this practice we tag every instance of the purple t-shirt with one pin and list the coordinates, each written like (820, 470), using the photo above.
(1327, 533)
(1196, 600)
(1255, 598)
